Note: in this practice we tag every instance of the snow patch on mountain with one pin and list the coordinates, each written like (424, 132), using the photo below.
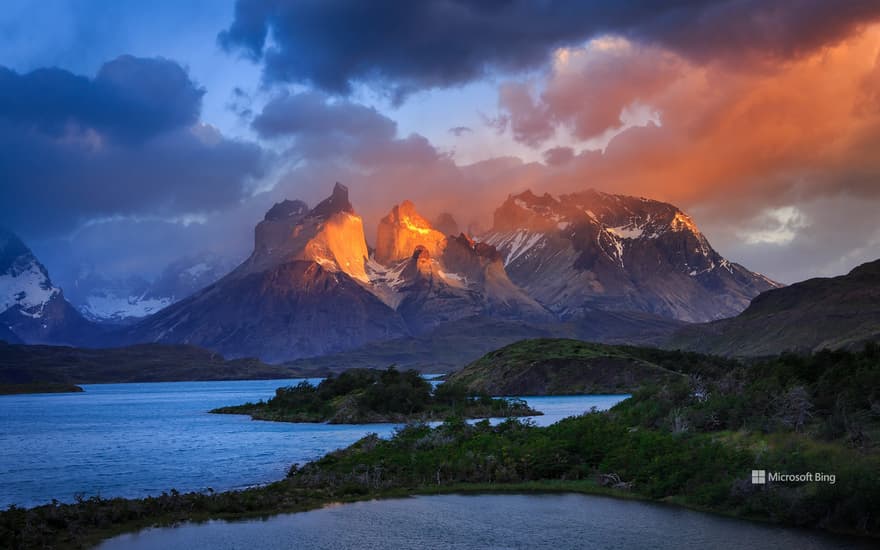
(626, 231)
(198, 270)
(28, 287)
(101, 307)
(385, 282)
(453, 279)
(119, 300)
(514, 244)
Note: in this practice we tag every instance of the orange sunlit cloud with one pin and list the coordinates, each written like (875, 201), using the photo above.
(809, 124)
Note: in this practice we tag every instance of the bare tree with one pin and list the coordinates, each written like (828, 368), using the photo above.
(795, 408)
(699, 388)
(678, 421)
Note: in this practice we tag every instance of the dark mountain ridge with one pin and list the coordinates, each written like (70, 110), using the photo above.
(836, 312)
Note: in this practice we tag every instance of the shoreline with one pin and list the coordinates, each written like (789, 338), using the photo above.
(36, 388)
(308, 500)
(283, 497)
(377, 419)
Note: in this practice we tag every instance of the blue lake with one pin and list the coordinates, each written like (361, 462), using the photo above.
(486, 522)
(134, 440)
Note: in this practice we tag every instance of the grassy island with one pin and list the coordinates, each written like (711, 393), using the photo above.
(366, 396)
(38, 387)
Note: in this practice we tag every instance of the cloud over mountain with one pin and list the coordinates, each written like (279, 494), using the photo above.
(127, 142)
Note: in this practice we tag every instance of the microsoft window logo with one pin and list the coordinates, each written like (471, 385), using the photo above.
(759, 477)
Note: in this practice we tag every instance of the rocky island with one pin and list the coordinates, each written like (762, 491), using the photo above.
(365, 396)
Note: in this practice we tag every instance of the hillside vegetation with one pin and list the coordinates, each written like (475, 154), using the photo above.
(836, 313)
(691, 439)
(561, 366)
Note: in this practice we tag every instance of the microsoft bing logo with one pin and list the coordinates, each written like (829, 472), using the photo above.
(759, 477)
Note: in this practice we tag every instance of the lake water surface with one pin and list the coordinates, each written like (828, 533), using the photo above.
(485, 522)
(134, 440)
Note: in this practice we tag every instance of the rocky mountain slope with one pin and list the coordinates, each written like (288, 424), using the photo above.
(302, 292)
(837, 312)
(32, 309)
(593, 251)
(6, 335)
(588, 265)
(431, 279)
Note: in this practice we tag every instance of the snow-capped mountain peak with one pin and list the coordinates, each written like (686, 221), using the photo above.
(592, 249)
(24, 281)
(31, 307)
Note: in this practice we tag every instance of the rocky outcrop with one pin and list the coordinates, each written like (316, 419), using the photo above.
(446, 224)
(401, 231)
(331, 234)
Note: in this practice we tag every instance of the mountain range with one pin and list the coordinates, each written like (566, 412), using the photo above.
(588, 265)
(312, 287)
(123, 300)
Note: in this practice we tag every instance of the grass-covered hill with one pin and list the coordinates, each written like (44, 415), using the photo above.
(837, 312)
(364, 396)
(561, 366)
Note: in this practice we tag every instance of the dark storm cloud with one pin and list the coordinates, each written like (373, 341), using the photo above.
(320, 128)
(125, 143)
(129, 99)
(310, 113)
(405, 46)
